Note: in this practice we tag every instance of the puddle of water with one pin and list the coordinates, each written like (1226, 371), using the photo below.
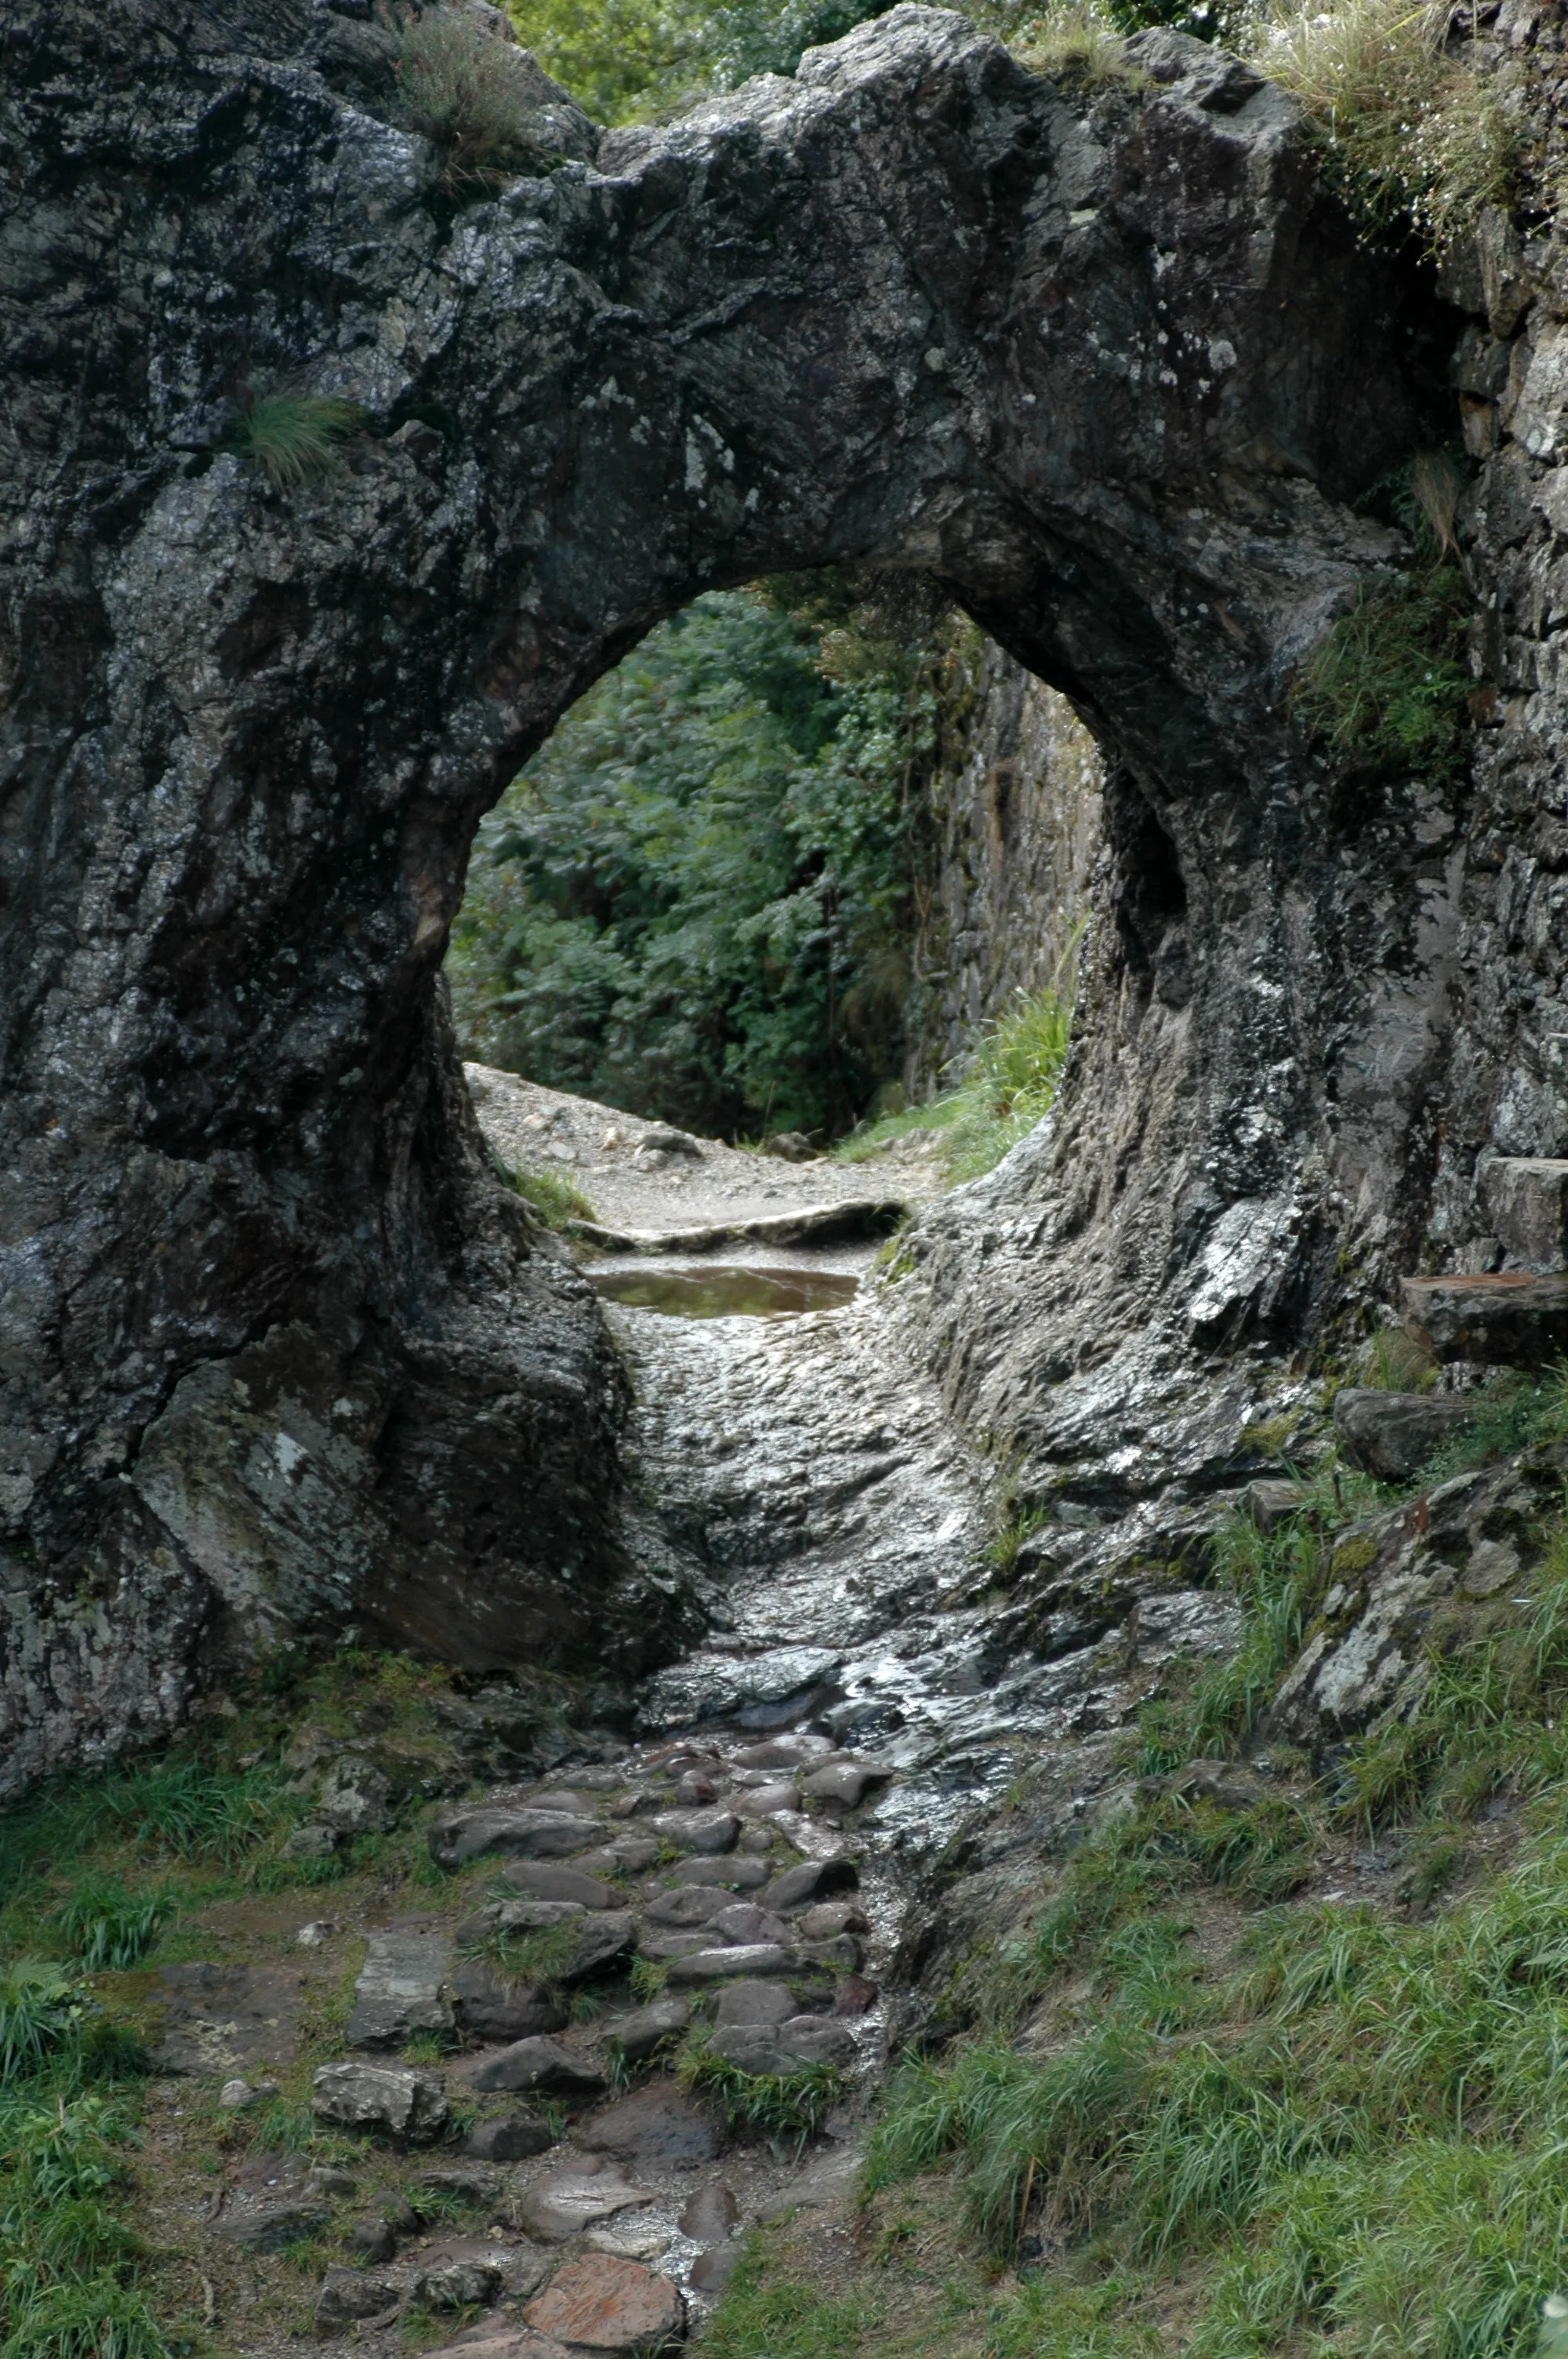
(724, 1290)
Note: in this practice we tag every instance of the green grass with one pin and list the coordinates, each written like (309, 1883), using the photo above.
(556, 1198)
(107, 1928)
(69, 2266)
(468, 91)
(1387, 686)
(1010, 1081)
(1408, 133)
(1075, 42)
(291, 436)
(1357, 2133)
(788, 2105)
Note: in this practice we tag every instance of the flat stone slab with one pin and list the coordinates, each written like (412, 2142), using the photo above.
(220, 2019)
(1392, 1434)
(792, 2045)
(538, 2064)
(600, 2303)
(1506, 1318)
(751, 2001)
(541, 1879)
(458, 1836)
(268, 2227)
(582, 2193)
(737, 1873)
(717, 1965)
(402, 2101)
(703, 1830)
(687, 1905)
(513, 2138)
(757, 1689)
(654, 2125)
(814, 1880)
(401, 1990)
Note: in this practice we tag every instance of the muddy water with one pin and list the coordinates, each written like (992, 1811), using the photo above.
(725, 1290)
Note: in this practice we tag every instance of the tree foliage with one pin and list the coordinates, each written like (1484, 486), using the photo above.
(694, 901)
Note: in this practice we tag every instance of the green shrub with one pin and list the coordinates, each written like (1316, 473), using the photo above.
(291, 436)
(1009, 1083)
(1073, 41)
(40, 2007)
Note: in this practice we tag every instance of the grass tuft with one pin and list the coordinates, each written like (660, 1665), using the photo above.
(291, 436)
(1013, 1073)
(556, 1198)
(1407, 131)
(1388, 687)
(468, 90)
(106, 1927)
(1075, 42)
(788, 2106)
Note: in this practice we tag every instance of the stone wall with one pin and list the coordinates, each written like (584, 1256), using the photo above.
(1016, 825)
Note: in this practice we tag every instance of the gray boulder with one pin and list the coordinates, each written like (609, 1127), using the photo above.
(543, 2064)
(792, 2045)
(400, 2101)
(401, 1990)
(1393, 1434)
(458, 1836)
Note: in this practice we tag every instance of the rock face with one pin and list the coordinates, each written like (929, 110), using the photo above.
(1017, 812)
(279, 1353)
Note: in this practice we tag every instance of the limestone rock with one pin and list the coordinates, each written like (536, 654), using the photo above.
(489, 2006)
(752, 2002)
(700, 1831)
(401, 1990)
(644, 2030)
(1510, 1318)
(717, 1965)
(401, 2101)
(345, 2295)
(711, 2216)
(601, 2304)
(812, 1880)
(545, 1880)
(588, 2189)
(844, 1781)
(268, 2227)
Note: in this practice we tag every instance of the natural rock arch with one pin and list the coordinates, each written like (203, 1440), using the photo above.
(277, 1352)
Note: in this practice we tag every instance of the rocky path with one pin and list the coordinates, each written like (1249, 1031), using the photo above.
(643, 1175)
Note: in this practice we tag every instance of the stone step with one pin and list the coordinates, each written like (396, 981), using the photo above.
(1502, 1318)
(1526, 1201)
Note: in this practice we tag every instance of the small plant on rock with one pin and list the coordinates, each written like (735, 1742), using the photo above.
(555, 1200)
(784, 2105)
(291, 436)
(467, 89)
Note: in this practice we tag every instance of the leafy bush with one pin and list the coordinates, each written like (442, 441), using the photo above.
(694, 901)
(1408, 132)
(290, 436)
(623, 59)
